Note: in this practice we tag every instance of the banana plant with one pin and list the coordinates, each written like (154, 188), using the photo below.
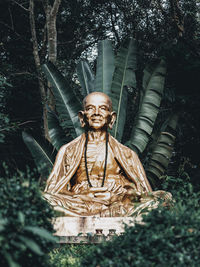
(56, 133)
(113, 76)
(86, 77)
(41, 153)
(124, 77)
(153, 86)
(162, 151)
(105, 67)
(66, 101)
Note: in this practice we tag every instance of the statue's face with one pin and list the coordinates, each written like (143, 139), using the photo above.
(97, 112)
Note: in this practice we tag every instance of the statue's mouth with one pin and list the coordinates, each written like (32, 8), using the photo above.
(96, 120)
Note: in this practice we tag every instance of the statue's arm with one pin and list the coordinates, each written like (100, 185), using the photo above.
(57, 172)
(141, 172)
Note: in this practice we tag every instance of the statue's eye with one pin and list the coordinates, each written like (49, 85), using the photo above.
(103, 108)
(89, 108)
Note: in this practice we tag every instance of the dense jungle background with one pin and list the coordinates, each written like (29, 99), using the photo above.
(33, 32)
(65, 31)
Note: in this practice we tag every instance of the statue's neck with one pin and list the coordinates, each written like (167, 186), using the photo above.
(96, 136)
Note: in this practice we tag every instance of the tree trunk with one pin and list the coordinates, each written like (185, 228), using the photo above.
(177, 17)
(51, 15)
(38, 66)
(50, 27)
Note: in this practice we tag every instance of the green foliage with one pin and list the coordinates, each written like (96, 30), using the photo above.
(85, 76)
(69, 255)
(55, 130)
(168, 237)
(162, 150)
(41, 154)
(124, 79)
(66, 101)
(105, 67)
(149, 107)
(25, 222)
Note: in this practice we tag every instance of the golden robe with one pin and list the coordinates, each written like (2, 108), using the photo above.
(126, 190)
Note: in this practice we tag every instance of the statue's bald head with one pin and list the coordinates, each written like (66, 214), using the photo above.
(97, 112)
(97, 97)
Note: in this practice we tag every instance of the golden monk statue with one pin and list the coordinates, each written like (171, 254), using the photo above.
(95, 175)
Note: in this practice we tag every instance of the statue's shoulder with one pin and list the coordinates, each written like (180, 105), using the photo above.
(72, 144)
(126, 150)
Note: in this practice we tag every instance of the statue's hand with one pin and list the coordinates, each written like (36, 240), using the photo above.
(100, 192)
(98, 189)
(103, 195)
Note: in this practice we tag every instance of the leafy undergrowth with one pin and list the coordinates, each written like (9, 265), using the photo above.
(25, 222)
(69, 255)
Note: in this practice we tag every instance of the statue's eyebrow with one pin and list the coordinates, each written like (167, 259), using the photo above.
(105, 105)
(89, 105)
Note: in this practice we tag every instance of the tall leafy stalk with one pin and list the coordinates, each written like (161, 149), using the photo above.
(42, 156)
(56, 133)
(85, 76)
(124, 77)
(105, 67)
(149, 108)
(162, 150)
(67, 104)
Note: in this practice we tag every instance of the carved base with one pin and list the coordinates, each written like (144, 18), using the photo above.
(90, 229)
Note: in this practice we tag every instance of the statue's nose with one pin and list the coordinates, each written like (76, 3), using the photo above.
(96, 111)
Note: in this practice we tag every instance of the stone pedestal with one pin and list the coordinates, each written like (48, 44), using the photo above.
(90, 229)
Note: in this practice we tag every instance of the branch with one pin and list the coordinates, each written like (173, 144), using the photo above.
(177, 16)
(22, 73)
(45, 6)
(43, 48)
(26, 9)
(16, 125)
(11, 19)
(33, 33)
(9, 27)
(51, 13)
(55, 7)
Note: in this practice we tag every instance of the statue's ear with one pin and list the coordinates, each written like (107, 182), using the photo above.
(113, 119)
(81, 118)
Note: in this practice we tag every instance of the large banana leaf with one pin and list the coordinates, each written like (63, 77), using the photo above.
(67, 103)
(162, 151)
(41, 154)
(149, 108)
(56, 132)
(105, 67)
(124, 76)
(85, 76)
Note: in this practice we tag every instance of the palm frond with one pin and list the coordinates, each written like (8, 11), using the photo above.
(67, 103)
(149, 108)
(56, 133)
(162, 151)
(85, 76)
(124, 77)
(41, 154)
(105, 67)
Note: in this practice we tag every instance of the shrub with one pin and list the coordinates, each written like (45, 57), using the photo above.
(69, 255)
(25, 222)
(168, 237)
